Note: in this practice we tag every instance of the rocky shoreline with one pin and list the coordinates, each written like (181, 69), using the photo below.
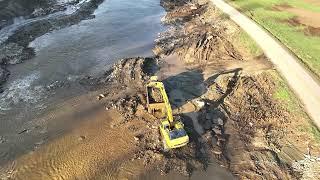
(15, 48)
(9, 10)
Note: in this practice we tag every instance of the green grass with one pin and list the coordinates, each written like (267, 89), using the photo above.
(307, 48)
(315, 132)
(249, 43)
(289, 101)
(284, 94)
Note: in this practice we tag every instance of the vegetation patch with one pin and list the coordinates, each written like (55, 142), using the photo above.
(303, 40)
(244, 39)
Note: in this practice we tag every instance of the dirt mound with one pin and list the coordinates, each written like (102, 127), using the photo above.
(193, 39)
(256, 129)
(126, 93)
(130, 70)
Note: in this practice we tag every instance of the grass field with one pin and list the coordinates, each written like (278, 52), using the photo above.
(283, 94)
(289, 101)
(306, 47)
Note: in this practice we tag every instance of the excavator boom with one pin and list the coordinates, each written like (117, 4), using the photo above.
(165, 99)
(171, 130)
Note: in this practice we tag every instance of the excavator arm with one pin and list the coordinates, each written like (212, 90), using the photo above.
(171, 130)
(165, 99)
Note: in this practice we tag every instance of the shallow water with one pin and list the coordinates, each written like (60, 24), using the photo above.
(121, 28)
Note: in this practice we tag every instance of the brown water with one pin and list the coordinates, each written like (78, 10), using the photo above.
(122, 28)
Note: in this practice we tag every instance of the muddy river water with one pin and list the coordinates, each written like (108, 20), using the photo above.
(121, 28)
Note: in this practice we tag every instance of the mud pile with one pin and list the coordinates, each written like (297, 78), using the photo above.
(195, 36)
(125, 90)
(253, 125)
(124, 84)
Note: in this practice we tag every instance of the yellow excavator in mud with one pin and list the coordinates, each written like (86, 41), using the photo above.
(171, 130)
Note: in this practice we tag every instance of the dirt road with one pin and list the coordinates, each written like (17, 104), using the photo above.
(297, 76)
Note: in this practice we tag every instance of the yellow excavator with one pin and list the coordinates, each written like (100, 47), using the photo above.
(171, 130)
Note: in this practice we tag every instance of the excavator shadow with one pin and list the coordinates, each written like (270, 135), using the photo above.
(203, 117)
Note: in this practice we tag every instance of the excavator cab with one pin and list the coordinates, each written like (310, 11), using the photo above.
(173, 137)
(171, 130)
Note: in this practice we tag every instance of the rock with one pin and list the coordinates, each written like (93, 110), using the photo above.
(101, 96)
(11, 53)
(202, 151)
(208, 116)
(136, 138)
(55, 85)
(217, 130)
(38, 12)
(218, 121)
(217, 152)
(157, 156)
(3, 75)
(81, 138)
(23, 131)
(200, 103)
(2, 140)
(220, 138)
(193, 7)
(214, 141)
(207, 125)
(207, 136)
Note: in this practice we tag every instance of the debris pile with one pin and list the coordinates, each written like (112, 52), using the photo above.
(195, 36)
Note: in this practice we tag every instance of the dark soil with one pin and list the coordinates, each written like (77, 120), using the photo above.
(312, 31)
(308, 30)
